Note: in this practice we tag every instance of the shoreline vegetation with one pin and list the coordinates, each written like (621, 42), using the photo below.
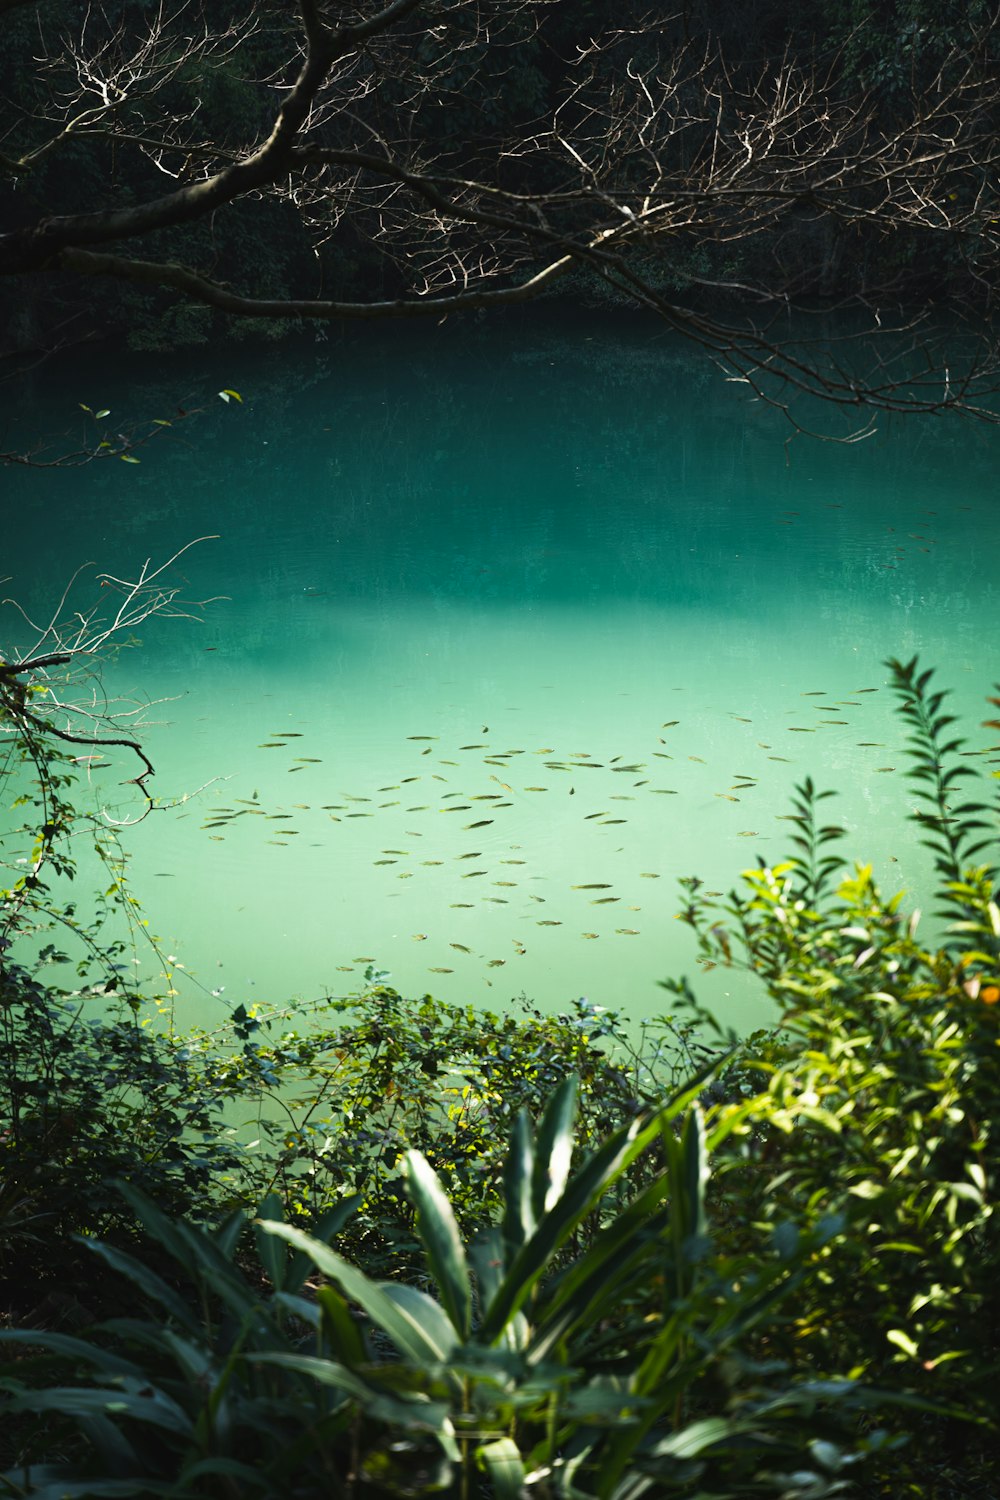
(759, 1266)
(412, 1248)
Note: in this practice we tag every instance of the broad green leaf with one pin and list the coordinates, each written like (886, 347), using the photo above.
(554, 1148)
(151, 1406)
(502, 1462)
(331, 1223)
(582, 1192)
(409, 1411)
(486, 1256)
(343, 1332)
(518, 1171)
(151, 1285)
(426, 1314)
(396, 1322)
(272, 1257)
(73, 1348)
(903, 1341)
(439, 1234)
(604, 1272)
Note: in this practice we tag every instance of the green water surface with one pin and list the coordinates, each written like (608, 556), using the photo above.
(521, 623)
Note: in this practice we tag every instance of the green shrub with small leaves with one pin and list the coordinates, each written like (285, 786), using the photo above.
(879, 1096)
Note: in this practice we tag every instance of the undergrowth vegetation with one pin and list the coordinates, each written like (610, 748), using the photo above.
(447, 1252)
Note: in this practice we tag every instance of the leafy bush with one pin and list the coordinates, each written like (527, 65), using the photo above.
(359, 1081)
(880, 1092)
(621, 1374)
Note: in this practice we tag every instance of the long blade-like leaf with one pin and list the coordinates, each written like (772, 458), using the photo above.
(554, 1148)
(438, 1231)
(503, 1463)
(395, 1321)
(518, 1217)
(583, 1191)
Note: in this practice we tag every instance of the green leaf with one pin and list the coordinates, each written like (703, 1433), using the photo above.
(554, 1148)
(409, 1411)
(150, 1406)
(518, 1173)
(129, 458)
(426, 1314)
(73, 1348)
(409, 1337)
(502, 1462)
(903, 1341)
(272, 1257)
(229, 395)
(438, 1231)
(583, 1191)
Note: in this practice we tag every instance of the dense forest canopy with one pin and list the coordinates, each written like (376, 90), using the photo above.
(165, 165)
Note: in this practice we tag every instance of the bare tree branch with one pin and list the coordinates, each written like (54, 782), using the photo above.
(650, 163)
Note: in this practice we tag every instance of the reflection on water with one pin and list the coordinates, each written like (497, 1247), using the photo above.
(536, 629)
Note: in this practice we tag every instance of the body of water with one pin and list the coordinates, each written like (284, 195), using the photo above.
(521, 623)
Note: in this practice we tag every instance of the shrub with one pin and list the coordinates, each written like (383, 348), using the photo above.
(879, 1095)
(621, 1374)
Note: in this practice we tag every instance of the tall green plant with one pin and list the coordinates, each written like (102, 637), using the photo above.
(620, 1374)
(880, 1095)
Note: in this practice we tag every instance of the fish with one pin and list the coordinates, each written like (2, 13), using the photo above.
(436, 969)
(598, 885)
(461, 947)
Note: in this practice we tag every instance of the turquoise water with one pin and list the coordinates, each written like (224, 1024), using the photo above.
(522, 622)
